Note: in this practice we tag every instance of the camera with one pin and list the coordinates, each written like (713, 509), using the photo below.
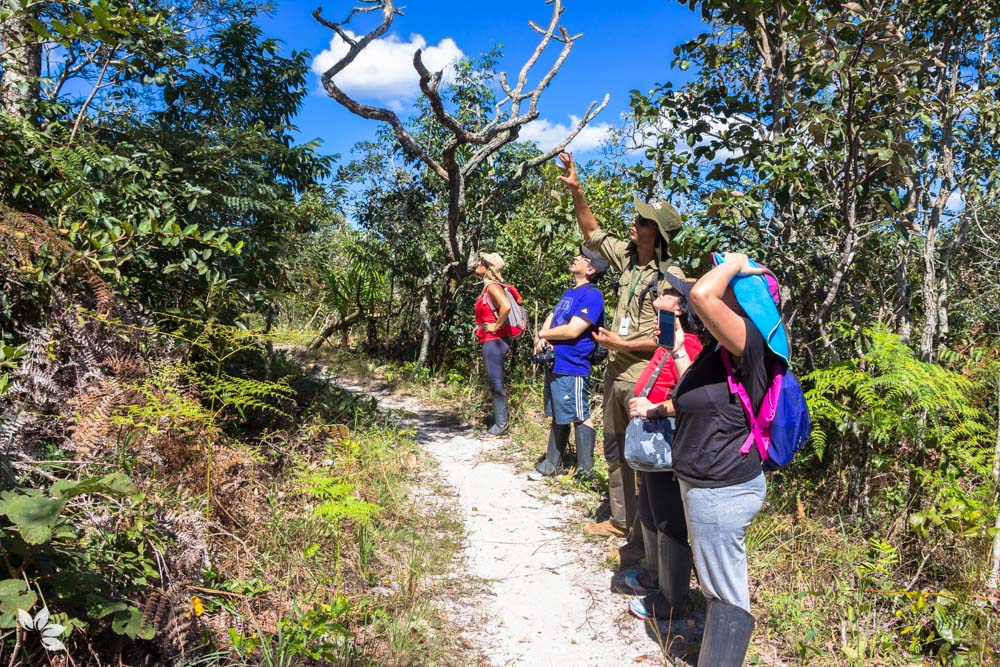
(547, 356)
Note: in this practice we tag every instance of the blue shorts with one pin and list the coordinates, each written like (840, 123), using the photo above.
(567, 398)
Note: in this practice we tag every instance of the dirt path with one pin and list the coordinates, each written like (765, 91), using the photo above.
(547, 598)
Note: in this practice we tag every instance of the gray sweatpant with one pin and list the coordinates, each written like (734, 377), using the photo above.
(717, 522)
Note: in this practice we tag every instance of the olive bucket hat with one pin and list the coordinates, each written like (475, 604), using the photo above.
(666, 217)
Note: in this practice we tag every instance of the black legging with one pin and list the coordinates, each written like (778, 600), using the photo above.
(661, 507)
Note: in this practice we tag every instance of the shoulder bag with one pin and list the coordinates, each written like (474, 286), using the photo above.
(647, 441)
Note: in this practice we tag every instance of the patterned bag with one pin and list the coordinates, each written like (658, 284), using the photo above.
(647, 441)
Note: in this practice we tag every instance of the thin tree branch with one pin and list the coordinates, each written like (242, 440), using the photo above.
(86, 102)
(355, 47)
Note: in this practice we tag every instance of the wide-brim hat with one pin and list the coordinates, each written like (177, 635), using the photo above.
(666, 217)
(597, 261)
(759, 296)
(492, 259)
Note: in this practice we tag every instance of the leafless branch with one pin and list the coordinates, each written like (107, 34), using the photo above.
(467, 145)
(86, 102)
(592, 111)
(355, 47)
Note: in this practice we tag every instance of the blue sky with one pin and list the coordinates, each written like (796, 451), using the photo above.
(624, 47)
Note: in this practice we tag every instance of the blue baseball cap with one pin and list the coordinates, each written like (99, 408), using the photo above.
(759, 296)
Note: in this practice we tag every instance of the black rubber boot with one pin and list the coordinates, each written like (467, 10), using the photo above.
(675, 567)
(585, 439)
(727, 635)
(499, 414)
(669, 603)
(650, 547)
(558, 439)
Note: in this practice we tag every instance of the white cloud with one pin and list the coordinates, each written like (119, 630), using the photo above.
(546, 135)
(956, 202)
(384, 71)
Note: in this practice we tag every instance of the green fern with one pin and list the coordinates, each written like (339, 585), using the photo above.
(338, 501)
(893, 396)
(901, 409)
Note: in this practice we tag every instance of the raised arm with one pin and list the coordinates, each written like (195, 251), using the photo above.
(584, 216)
(719, 317)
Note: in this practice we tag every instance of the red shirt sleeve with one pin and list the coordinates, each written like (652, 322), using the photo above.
(668, 375)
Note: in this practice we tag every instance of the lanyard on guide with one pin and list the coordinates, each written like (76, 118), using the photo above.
(635, 283)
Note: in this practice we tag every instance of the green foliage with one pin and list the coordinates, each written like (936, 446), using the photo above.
(890, 403)
(14, 595)
(318, 633)
(205, 190)
(52, 548)
(885, 412)
(814, 136)
(337, 499)
(888, 393)
(9, 357)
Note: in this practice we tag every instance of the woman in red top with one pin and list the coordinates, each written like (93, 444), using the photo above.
(661, 510)
(492, 308)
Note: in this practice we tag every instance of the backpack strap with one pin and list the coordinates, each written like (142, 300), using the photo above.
(760, 424)
(489, 301)
(651, 290)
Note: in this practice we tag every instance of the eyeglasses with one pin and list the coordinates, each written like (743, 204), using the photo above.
(644, 222)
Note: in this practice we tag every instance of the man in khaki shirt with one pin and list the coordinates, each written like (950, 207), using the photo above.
(641, 262)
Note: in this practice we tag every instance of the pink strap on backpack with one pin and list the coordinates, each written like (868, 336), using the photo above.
(760, 425)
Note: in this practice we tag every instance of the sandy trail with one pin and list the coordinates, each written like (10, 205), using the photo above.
(548, 600)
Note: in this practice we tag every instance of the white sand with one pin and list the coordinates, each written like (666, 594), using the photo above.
(548, 600)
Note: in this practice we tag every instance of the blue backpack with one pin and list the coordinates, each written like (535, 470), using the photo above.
(782, 425)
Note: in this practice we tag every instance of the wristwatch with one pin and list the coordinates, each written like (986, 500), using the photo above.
(680, 354)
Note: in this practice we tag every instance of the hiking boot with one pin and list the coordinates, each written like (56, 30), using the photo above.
(603, 529)
(535, 476)
(494, 433)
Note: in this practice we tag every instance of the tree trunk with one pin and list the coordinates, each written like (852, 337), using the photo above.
(904, 324)
(859, 474)
(424, 311)
(449, 289)
(991, 583)
(929, 292)
(836, 282)
(933, 305)
(330, 329)
(21, 62)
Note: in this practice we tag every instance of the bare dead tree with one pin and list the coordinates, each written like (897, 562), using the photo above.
(466, 148)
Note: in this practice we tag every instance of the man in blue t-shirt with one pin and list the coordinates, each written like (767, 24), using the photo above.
(567, 385)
